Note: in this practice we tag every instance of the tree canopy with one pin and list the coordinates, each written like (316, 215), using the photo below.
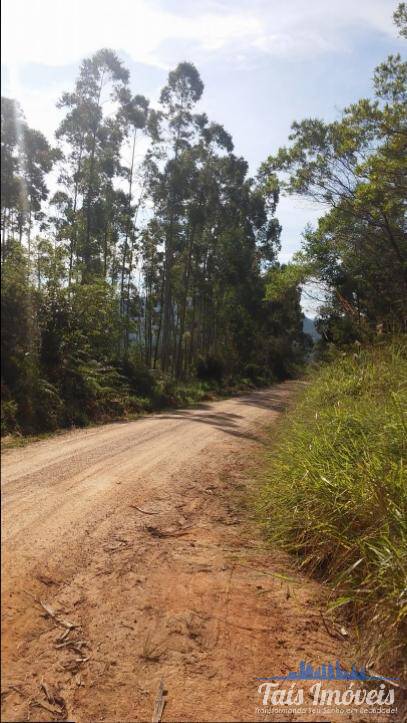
(355, 168)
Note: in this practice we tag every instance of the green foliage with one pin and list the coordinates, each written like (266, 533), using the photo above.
(356, 167)
(136, 279)
(400, 19)
(335, 491)
(26, 158)
(19, 339)
(8, 412)
(280, 280)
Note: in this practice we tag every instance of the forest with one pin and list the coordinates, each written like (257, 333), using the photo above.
(149, 275)
(134, 277)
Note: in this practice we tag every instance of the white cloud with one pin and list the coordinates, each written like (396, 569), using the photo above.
(57, 32)
(299, 43)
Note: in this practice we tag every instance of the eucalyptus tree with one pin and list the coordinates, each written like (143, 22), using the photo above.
(175, 130)
(213, 228)
(134, 114)
(92, 140)
(26, 159)
(10, 180)
(201, 218)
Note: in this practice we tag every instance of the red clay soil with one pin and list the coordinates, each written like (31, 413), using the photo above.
(140, 535)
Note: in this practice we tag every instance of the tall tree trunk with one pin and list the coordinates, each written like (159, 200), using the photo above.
(186, 277)
(73, 243)
(168, 263)
(87, 253)
(128, 224)
(160, 323)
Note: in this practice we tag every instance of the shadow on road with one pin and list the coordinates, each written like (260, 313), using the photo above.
(228, 422)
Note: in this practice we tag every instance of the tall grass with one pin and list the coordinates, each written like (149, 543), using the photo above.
(335, 489)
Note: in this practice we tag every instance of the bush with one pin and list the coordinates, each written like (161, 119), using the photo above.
(210, 368)
(258, 375)
(48, 405)
(253, 372)
(140, 378)
(92, 391)
(335, 491)
(8, 411)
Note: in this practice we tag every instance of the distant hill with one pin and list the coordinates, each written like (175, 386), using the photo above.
(308, 326)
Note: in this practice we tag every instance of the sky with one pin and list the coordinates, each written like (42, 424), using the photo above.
(264, 63)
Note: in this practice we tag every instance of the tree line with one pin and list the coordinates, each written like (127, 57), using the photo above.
(153, 264)
(133, 276)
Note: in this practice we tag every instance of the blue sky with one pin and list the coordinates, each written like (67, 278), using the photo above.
(264, 63)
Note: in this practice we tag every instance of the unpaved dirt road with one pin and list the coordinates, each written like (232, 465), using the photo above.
(189, 594)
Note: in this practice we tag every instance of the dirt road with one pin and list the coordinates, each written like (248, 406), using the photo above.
(140, 535)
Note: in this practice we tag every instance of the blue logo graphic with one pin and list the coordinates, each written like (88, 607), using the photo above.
(327, 671)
